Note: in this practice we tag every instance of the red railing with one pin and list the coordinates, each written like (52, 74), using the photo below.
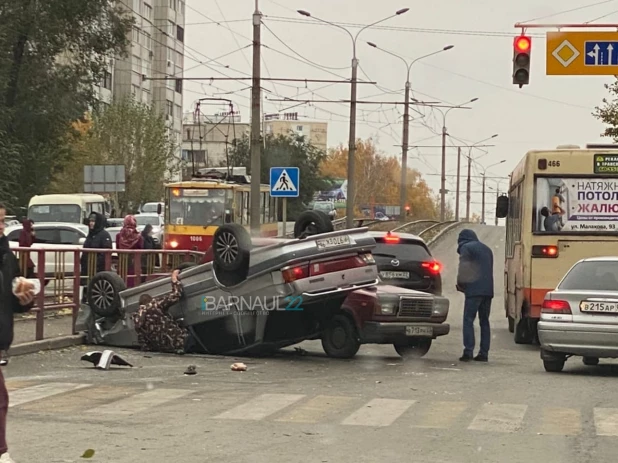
(59, 272)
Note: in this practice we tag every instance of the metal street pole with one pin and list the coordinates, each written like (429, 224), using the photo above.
(483, 205)
(403, 194)
(353, 101)
(497, 196)
(458, 180)
(256, 147)
(468, 186)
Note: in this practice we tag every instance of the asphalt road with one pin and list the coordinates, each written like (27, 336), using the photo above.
(308, 408)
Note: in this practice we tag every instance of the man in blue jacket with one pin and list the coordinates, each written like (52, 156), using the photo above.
(476, 280)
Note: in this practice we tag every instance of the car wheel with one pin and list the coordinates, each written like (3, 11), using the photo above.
(231, 247)
(553, 366)
(414, 348)
(103, 294)
(590, 361)
(340, 339)
(511, 324)
(312, 223)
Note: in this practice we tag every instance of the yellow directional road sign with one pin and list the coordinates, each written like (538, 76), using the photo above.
(582, 54)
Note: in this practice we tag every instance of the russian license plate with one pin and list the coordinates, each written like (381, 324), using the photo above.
(395, 275)
(333, 242)
(598, 307)
(419, 331)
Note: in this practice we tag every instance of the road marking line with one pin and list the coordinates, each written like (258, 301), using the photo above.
(14, 385)
(441, 414)
(140, 402)
(606, 421)
(41, 391)
(499, 418)
(317, 409)
(261, 407)
(378, 412)
(561, 422)
(78, 401)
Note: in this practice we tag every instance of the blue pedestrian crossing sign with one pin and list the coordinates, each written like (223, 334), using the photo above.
(601, 53)
(284, 182)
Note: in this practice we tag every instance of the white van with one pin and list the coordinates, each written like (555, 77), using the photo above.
(72, 208)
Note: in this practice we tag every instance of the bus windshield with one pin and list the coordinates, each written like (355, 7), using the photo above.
(575, 205)
(70, 213)
(198, 206)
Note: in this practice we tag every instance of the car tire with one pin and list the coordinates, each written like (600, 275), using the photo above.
(340, 338)
(231, 246)
(590, 361)
(511, 324)
(553, 366)
(312, 223)
(415, 348)
(103, 293)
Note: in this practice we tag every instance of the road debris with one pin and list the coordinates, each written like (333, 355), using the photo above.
(191, 370)
(239, 367)
(103, 360)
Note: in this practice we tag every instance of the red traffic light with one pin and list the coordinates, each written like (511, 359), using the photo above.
(522, 44)
(407, 208)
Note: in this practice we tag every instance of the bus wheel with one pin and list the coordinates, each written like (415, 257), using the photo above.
(524, 334)
(312, 223)
(104, 293)
(231, 248)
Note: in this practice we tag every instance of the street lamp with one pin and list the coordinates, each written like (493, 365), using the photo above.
(406, 121)
(443, 179)
(470, 148)
(352, 136)
(484, 171)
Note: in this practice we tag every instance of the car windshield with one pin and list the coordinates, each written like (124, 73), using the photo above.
(198, 207)
(69, 213)
(150, 208)
(326, 207)
(143, 220)
(403, 251)
(592, 276)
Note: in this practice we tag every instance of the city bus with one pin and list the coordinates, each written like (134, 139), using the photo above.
(195, 208)
(562, 206)
(71, 208)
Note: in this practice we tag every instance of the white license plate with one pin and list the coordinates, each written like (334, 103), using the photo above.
(333, 242)
(598, 307)
(419, 331)
(395, 275)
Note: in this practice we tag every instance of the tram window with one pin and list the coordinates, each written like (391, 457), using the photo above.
(273, 210)
(266, 197)
(238, 207)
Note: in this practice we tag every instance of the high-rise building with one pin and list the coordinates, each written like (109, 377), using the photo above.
(157, 50)
(289, 123)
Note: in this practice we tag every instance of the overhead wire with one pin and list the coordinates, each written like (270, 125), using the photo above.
(568, 11)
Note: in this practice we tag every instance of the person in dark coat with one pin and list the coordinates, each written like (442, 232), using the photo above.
(98, 238)
(9, 305)
(476, 280)
(26, 240)
(149, 260)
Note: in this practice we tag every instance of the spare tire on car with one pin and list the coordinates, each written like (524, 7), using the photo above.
(103, 293)
(231, 246)
(311, 223)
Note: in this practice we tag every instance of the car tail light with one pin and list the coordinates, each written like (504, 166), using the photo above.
(389, 238)
(331, 266)
(295, 273)
(544, 251)
(556, 307)
(433, 267)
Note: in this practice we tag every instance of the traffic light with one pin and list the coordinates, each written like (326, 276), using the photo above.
(521, 60)
(407, 210)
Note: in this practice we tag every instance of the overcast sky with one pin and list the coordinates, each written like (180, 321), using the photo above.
(549, 112)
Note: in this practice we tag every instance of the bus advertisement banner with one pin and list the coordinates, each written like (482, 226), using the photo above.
(576, 205)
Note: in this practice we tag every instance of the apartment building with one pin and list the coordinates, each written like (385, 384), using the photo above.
(287, 123)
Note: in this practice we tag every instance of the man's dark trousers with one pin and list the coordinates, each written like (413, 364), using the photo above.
(472, 306)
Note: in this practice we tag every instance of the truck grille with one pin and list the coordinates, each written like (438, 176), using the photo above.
(415, 308)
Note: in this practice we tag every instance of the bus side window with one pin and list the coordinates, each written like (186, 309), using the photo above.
(245, 207)
(266, 197)
(262, 207)
(513, 220)
(273, 210)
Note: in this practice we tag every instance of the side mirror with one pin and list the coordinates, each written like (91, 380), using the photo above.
(502, 206)
(159, 209)
(81, 241)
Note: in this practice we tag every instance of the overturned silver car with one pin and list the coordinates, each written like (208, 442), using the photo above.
(250, 299)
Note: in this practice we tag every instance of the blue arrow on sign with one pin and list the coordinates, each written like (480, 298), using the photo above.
(601, 53)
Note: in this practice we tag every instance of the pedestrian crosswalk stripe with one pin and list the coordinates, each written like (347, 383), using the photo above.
(261, 407)
(499, 418)
(41, 391)
(606, 421)
(80, 400)
(317, 409)
(440, 414)
(561, 422)
(379, 412)
(140, 402)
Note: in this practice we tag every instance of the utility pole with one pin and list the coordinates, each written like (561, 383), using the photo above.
(468, 186)
(458, 179)
(443, 177)
(256, 148)
(349, 200)
(497, 196)
(404, 152)
(483, 206)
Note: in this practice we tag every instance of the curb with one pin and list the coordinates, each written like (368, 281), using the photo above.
(60, 342)
(444, 232)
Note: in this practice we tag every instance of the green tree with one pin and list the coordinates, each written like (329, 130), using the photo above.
(608, 112)
(283, 151)
(128, 133)
(54, 51)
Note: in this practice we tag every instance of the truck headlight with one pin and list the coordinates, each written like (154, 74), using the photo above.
(387, 308)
